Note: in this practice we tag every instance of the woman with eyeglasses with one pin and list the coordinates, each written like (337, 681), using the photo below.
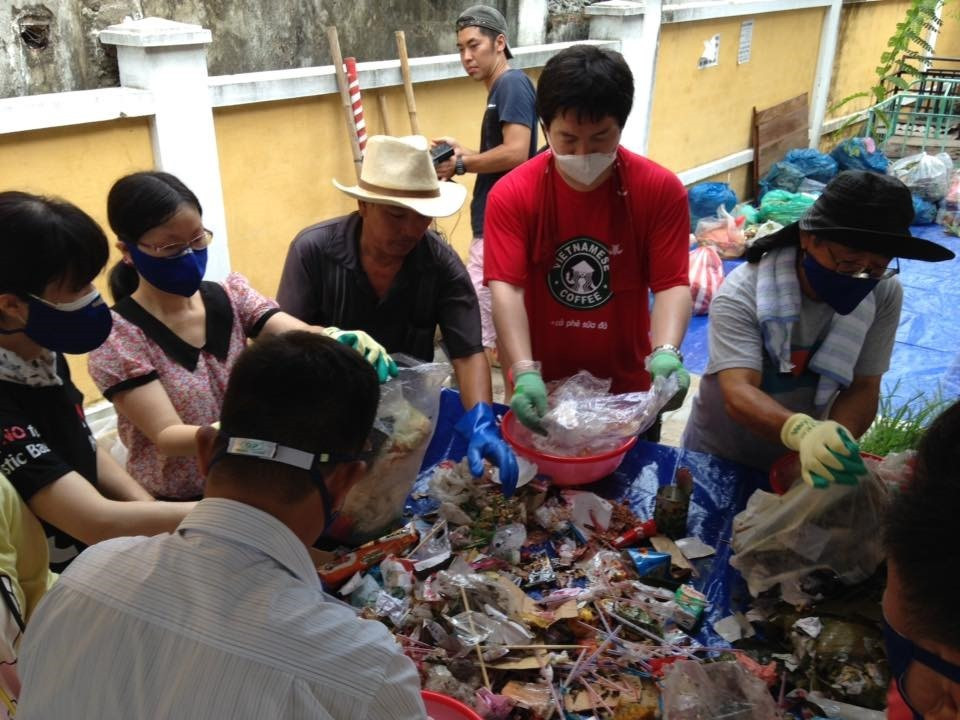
(50, 252)
(175, 336)
(801, 334)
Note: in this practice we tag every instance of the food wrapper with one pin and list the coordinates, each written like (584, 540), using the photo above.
(405, 421)
(650, 563)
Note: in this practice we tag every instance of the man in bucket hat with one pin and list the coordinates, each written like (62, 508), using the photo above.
(382, 270)
(801, 335)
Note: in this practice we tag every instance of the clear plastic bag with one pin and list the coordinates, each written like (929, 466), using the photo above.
(925, 175)
(780, 539)
(715, 691)
(584, 420)
(405, 421)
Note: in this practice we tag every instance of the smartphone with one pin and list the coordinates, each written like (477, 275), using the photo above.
(441, 153)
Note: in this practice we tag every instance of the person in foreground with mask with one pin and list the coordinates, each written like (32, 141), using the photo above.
(175, 337)
(577, 236)
(920, 601)
(50, 251)
(801, 334)
(384, 270)
(226, 617)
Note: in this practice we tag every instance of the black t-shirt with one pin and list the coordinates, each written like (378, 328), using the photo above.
(512, 99)
(323, 283)
(43, 436)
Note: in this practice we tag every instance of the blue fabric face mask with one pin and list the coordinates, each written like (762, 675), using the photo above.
(841, 292)
(180, 275)
(902, 652)
(75, 328)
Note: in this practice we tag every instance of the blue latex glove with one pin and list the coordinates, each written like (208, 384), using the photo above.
(479, 427)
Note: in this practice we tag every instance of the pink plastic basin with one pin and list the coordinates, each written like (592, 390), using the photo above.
(444, 707)
(580, 470)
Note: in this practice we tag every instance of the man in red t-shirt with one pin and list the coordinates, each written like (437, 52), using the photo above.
(578, 236)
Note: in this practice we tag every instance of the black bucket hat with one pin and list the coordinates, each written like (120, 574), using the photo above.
(862, 210)
(486, 17)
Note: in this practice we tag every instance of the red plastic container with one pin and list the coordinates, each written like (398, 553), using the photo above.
(444, 707)
(786, 471)
(567, 470)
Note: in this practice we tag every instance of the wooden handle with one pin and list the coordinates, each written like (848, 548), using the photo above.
(334, 39)
(407, 82)
(384, 117)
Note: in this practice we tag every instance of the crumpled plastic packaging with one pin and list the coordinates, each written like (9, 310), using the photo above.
(507, 541)
(695, 691)
(925, 175)
(783, 538)
(406, 417)
(584, 419)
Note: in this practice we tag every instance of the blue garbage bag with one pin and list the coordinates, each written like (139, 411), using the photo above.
(860, 154)
(782, 176)
(813, 164)
(706, 197)
(924, 211)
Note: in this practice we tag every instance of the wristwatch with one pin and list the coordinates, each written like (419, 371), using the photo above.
(669, 348)
(460, 169)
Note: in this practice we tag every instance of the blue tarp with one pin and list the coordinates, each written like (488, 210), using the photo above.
(721, 489)
(926, 355)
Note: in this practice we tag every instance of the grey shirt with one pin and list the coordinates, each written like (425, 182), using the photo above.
(736, 342)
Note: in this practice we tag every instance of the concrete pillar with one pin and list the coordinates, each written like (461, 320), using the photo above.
(637, 26)
(821, 81)
(532, 22)
(170, 60)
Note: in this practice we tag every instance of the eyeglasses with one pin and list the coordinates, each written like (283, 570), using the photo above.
(860, 271)
(174, 249)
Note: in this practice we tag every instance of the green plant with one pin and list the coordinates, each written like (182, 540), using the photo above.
(902, 60)
(899, 428)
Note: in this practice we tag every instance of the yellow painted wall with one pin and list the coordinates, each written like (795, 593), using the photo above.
(701, 115)
(277, 160)
(79, 164)
(864, 31)
(948, 42)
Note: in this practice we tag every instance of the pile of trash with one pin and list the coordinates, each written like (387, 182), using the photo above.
(561, 603)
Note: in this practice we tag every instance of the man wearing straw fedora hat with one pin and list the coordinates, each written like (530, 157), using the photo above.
(383, 270)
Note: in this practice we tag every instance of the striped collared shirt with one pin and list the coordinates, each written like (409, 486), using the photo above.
(225, 618)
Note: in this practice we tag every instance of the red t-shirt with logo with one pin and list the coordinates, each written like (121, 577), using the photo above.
(586, 261)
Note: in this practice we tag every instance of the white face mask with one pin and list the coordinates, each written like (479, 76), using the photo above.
(585, 169)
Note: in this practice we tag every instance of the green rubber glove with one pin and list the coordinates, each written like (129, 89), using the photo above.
(372, 351)
(827, 451)
(664, 363)
(529, 401)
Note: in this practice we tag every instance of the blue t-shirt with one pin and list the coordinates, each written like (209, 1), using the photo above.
(512, 99)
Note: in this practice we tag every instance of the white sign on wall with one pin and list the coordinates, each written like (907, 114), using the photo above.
(746, 42)
(711, 52)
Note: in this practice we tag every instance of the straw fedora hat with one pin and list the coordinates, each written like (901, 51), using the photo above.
(399, 171)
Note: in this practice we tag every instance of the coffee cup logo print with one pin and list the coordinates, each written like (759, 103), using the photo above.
(580, 275)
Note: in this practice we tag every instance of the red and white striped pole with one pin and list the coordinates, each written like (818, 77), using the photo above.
(353, 84)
